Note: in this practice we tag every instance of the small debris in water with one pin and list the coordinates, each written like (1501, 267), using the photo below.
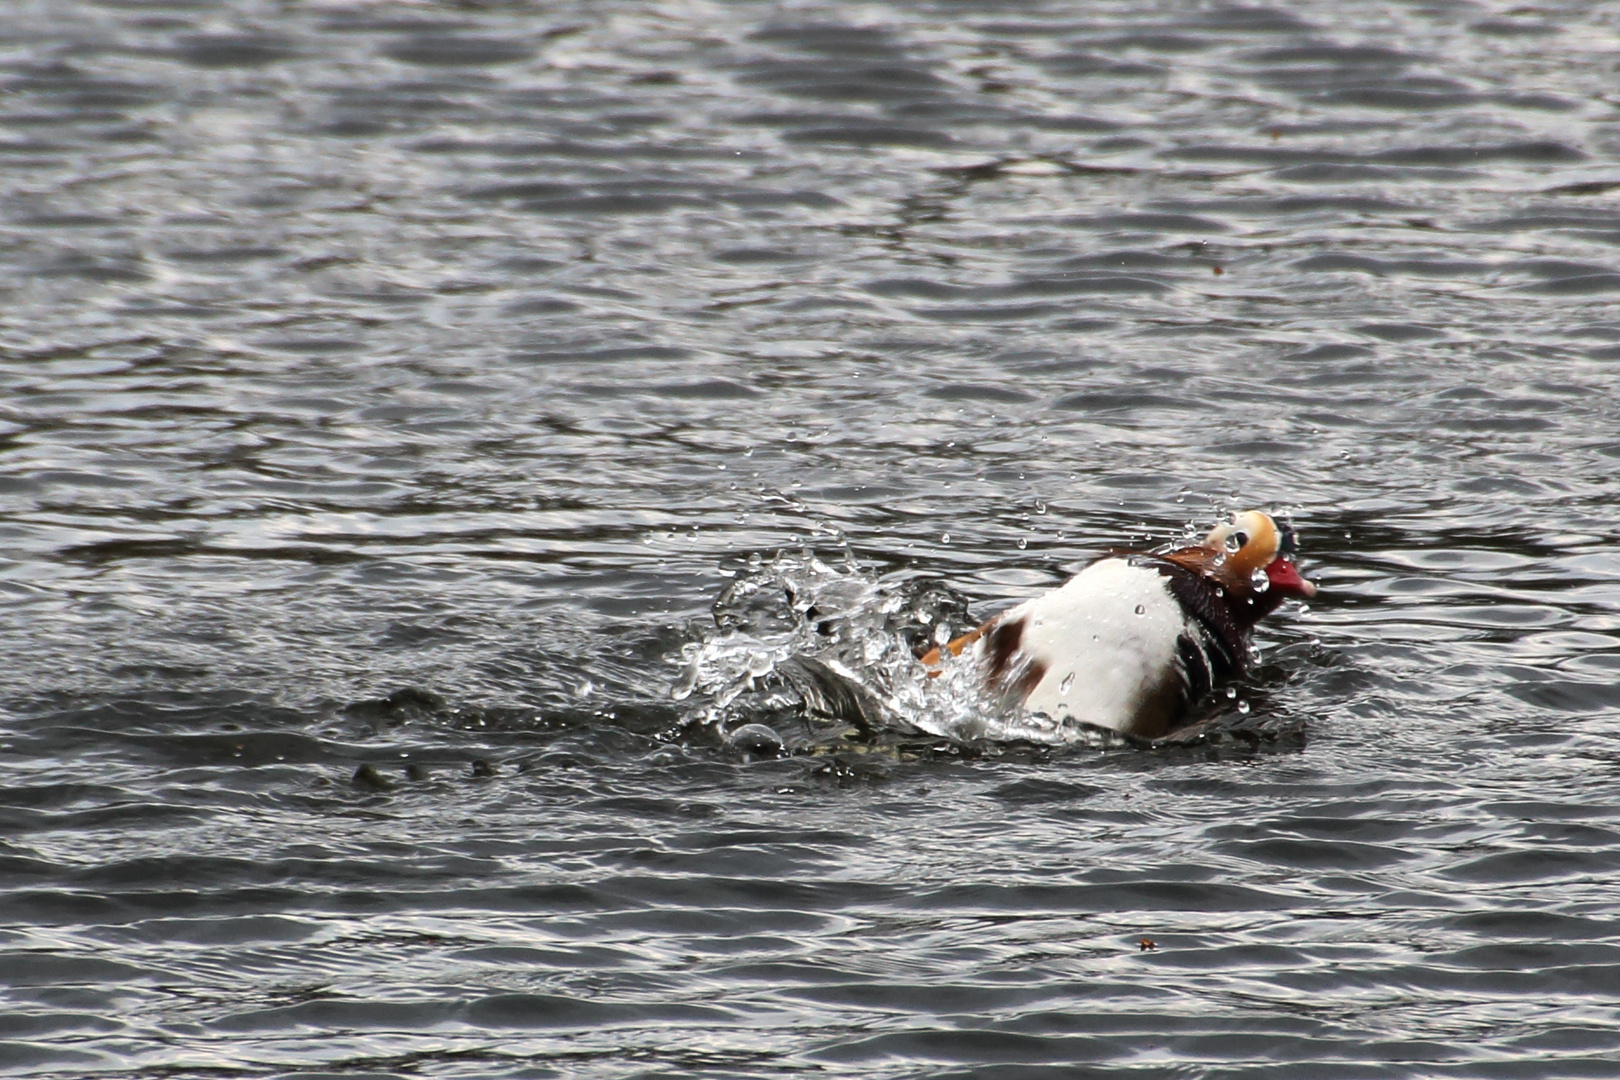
(367, 776)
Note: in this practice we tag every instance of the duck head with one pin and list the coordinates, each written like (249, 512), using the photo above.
(1251, 559)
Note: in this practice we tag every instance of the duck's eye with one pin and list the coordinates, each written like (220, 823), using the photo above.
(1237, 541)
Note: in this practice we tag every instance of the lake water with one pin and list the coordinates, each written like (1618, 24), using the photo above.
(390, 390)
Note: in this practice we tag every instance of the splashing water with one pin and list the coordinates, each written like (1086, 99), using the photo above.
(828, 655)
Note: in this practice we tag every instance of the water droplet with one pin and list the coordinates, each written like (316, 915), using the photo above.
(1260, 580)
(944, 538)
(1233, 543)
(1022, 543)
(1141, 609)
(1068, 681)
(1040, 507)
(1231, 692)
(1243, 707)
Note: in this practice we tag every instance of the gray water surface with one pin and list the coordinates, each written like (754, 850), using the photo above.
(386, 388)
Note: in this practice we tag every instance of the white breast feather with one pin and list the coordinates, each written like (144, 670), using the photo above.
(1107, 640)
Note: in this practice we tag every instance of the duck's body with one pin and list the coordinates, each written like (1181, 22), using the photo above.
(1136, 638)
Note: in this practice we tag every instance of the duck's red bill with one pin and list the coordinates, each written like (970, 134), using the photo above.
(1286, 579)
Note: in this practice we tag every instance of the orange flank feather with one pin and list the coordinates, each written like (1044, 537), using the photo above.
(932, 656)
